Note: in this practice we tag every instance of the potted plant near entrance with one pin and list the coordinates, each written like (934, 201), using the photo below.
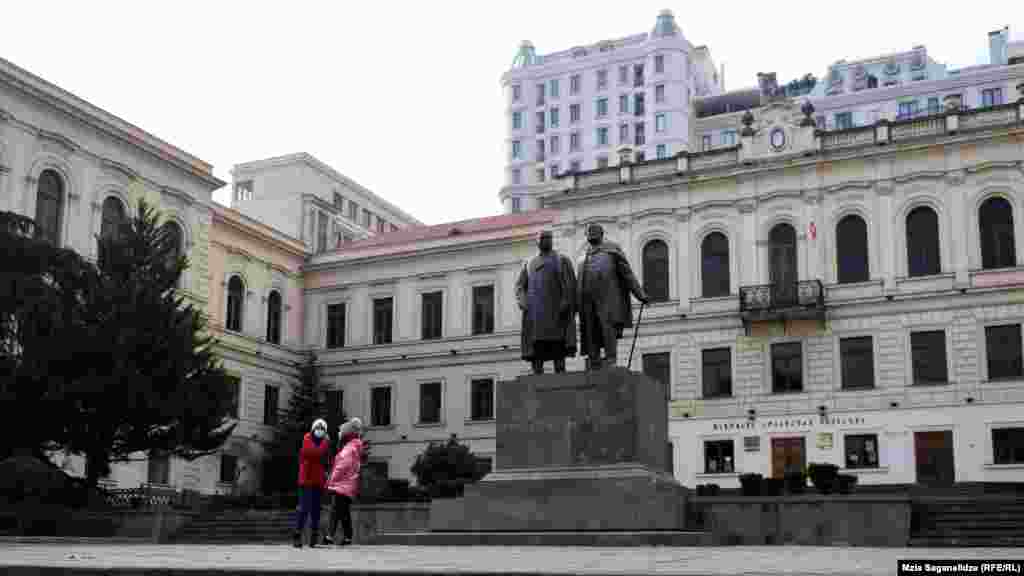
(823, 476)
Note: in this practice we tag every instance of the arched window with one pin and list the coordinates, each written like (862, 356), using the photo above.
(113, 217)
(923, 242)
(714, 266)
(50, 205)
(995, 221)
(782, 264)
(274, 317)
(236, 295)
(176, 240)
(655, 267)
(852, 249)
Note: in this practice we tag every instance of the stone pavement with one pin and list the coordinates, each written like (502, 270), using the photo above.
(22, 556)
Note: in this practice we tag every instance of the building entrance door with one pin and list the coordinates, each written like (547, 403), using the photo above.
(788, 454)
(933, 455)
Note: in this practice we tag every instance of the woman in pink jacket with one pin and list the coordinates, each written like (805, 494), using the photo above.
(344, 480)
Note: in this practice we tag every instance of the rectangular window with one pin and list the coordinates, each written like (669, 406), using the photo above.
(602, 162)
(574, 113)
(602, 79)
(553, 117)
(517, 92)
(158, 470)
(623, 133)
(991, 97)
(574, 84)
(540, 94)
(517, 205)
(228, 468)
(844, 120)
(339, 201)
(336, 325)
(660, 122)
(335, 405)
(367, 218)
(382, 226)
(658, 367)
(431, 317)
(906, 109)
(554, 144)
(382, 320)
(430, 403)
(553, 87)
(928, 357)
(861, 450)
(244, 190)
(639, 137)
(661, 152)
(857, 361)
(1008, 445)
(482, 399)
(602, 136)
(321, 232)
(1003, 347)
(540, 122)
(659, 64)
(380, 406)
(574, 141)
(271, 396)
(540, 151)
(659, 94)
(624, 104)
(705, 142)
(718, 457)
(517, 150)
(539, 172)
(638, 104)
(623, 75)
(729, 138)
(716, 370)
(787, 367)
(483, 307)
(638, 75)
(353, 210)
(517, 120)
(517, 176)
(602, 107)
(933, 105)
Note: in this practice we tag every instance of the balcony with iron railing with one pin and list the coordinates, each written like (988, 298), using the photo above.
(783, 300)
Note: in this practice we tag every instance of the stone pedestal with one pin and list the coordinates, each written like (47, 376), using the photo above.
(584, 451)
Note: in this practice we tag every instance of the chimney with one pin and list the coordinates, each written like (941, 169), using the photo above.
(997, 46)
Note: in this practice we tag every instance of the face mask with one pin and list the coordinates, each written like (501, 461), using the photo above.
(318, 433)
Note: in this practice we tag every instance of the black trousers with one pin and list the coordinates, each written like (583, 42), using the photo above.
(342, 510)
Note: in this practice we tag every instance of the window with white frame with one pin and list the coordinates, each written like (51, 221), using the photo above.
(928, 357)
(517, 92)
(574, 113)
(481, 399)
(729, 138)
(602, 136)
(856, 358)
(602, 107)
(574, 84)
(553, 117)
(705, 142)
(659, 94)
(623, 103)
(1008, 445)
(517, 120)
(431, 404)
(716, 372)
(380, 406)
(787, 367)
(602, 79)
(623, 75)
(1003, 351)
(659, 64)
(553, 87)
(861, 450)
(718, 457)
(991, 97)
(517, 150)
(660, 122)
(336, 325)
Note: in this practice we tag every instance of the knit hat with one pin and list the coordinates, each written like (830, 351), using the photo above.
(319, 423)
(354, 426)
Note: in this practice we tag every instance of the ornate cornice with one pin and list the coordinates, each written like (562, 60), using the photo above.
(956, 177)
(683, 214)
(747, 205)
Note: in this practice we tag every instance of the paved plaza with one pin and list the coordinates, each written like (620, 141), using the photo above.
(26, 556)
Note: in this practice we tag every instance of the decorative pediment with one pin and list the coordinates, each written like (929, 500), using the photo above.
(782, 127)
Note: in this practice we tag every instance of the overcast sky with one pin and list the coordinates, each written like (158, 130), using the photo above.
(405, 98)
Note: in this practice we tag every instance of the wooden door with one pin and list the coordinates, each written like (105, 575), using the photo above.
(933, 457)
(787, 454)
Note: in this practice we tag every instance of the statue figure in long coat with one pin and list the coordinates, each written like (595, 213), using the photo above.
(546, 293)
(605, 282)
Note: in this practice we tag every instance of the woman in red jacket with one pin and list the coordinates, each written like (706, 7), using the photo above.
(311, 481)
(344, 482)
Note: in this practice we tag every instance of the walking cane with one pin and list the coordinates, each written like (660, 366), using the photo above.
(636, 331)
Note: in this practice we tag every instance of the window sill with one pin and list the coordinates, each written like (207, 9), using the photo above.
(786, 392)
(718, 397)
(875, 470)
(929, 384)
(719, 475)
(857, 388)
(381, 427)
(1015, 466)
(429, 425)
(472, 422)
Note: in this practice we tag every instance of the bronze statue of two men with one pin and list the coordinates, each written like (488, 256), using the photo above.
(550, 297)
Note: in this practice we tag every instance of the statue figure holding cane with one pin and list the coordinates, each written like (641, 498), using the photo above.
(605, 283)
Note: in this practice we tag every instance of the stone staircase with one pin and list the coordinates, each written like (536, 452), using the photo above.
(241, 527)
(978, 520)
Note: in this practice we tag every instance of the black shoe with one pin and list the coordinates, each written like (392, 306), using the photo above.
(327, 541)
(345, 542)
(313, 540)
(297, 539)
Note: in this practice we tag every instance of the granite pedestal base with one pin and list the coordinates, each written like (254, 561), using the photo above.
(615, 497)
